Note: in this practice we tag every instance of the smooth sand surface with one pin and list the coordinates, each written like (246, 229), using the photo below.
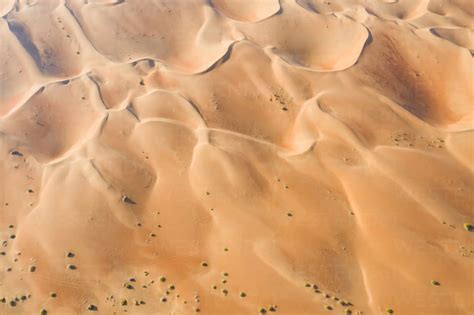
(236, 157)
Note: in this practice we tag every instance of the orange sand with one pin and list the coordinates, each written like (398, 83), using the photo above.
(222, 156)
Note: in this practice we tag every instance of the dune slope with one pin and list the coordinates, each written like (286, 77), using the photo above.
(224, 157)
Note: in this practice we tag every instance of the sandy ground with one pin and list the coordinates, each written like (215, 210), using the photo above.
(236, 157)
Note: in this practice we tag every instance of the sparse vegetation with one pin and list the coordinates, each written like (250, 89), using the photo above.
(16, 153)
(92, 308)
(128, 200)
(71, 267)
(469, 227)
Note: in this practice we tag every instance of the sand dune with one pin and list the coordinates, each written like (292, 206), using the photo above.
(247, 11)
(336, 46)
(236, 157)
(459, 36)
(187, 35)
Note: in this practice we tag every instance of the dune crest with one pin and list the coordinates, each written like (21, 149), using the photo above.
(337, 45)
(247, 11)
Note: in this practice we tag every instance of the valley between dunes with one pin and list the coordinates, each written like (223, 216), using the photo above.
(236, 157)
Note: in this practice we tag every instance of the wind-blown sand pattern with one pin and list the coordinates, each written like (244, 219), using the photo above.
(236, 157)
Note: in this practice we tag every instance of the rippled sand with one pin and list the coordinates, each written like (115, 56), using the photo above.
(236, 157)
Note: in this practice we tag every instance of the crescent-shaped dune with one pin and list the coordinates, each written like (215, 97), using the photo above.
(176, 33)
(335, 46)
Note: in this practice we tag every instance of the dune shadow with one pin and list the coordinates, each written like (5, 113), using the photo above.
(24, 38)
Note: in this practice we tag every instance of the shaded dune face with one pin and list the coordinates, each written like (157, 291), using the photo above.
(421, 81)
(49, 40)
(236, 157)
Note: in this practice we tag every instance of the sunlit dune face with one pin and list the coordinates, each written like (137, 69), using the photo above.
(236, 157)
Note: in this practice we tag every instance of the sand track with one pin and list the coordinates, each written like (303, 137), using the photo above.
(220, 156)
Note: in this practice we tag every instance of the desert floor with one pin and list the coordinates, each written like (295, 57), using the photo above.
(236, 157)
